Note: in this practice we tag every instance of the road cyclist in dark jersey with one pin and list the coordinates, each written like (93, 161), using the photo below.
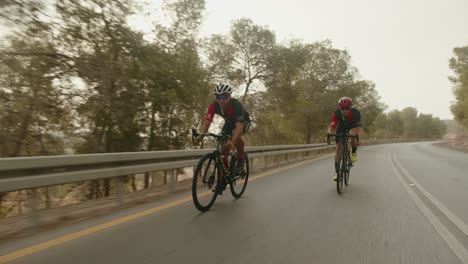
(237, 122)
(345, 118)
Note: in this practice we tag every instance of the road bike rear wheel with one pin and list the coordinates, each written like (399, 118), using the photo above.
(206, 177)
(239, 180)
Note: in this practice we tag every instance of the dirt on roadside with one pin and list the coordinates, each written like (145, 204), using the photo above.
(460, 143)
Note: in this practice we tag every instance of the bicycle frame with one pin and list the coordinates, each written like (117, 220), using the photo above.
(344, 158)
(220, 141)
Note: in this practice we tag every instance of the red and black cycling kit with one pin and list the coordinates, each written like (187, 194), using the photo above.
(342, 123)
(234, 113)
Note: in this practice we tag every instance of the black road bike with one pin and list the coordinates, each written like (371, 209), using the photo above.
(211, 176)
(344, 159)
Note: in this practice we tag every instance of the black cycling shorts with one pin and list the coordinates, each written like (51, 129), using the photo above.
(229, 127)
(343, 130)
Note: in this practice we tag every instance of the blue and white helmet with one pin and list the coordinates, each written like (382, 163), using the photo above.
(222, 88)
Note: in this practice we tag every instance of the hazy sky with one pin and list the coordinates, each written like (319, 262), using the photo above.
(402, 45)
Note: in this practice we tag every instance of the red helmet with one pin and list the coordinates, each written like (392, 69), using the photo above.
(345, 102)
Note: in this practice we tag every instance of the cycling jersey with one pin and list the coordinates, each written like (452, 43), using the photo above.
(340, 122)
(234, 113)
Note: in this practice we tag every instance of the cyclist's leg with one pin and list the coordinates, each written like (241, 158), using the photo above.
(337, 154)
(353, 132)
(240, 145)
(354, 145)
(225, 151)
(240, 148)
(339, 143)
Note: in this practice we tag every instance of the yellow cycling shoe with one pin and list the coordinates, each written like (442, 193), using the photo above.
(354, 157)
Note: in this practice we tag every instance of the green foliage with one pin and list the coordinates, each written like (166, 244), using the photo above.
(34, 113)
(407, 124)
(304, 83)
(241, 57)
(459, 64)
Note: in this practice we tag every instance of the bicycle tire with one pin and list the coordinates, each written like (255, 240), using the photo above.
(348, 167)
(200, 180)
(235, 190)
(339, 176)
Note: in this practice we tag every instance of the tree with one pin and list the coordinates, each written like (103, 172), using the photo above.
(242, 56)
(104, 50)
(252, 44)
(409, 116)
(182, 86)
(35, 110)
(459, 64)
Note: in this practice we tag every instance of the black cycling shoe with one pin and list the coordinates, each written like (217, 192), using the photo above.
(239, 169)
(220, 188)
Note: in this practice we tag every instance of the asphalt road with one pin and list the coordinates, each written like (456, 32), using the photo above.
(406, 203)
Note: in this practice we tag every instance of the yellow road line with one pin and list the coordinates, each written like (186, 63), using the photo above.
(66, 238)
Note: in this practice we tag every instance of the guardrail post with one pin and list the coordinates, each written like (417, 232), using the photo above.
(33, 201)
(120, 189)
(251, 164)
(173, 180)
(265, 159)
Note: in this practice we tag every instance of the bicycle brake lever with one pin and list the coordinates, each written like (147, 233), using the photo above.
(194, 133)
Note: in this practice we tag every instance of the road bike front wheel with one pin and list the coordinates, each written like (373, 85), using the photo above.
(340, 175)
(206, 176)
(348, 168)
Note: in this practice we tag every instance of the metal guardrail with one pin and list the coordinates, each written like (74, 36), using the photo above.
(33, 172)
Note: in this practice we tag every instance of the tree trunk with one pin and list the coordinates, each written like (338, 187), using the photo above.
(107, 187)
(134, 188)
(43, 148)
(246, 90)
(20, 200)
(23, 134)
(147, 180)
(95, 186)
(152, 129)
(47, 197)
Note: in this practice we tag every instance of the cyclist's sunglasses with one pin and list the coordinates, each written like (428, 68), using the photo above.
(222, 96)
(344, 108)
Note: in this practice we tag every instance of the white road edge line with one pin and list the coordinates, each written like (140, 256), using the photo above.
(454, 218)
(451, 241)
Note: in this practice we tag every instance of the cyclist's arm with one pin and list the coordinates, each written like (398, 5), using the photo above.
(358, 123)
(359, 132)
(333, 124)
(208, 119)
(206, 124)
